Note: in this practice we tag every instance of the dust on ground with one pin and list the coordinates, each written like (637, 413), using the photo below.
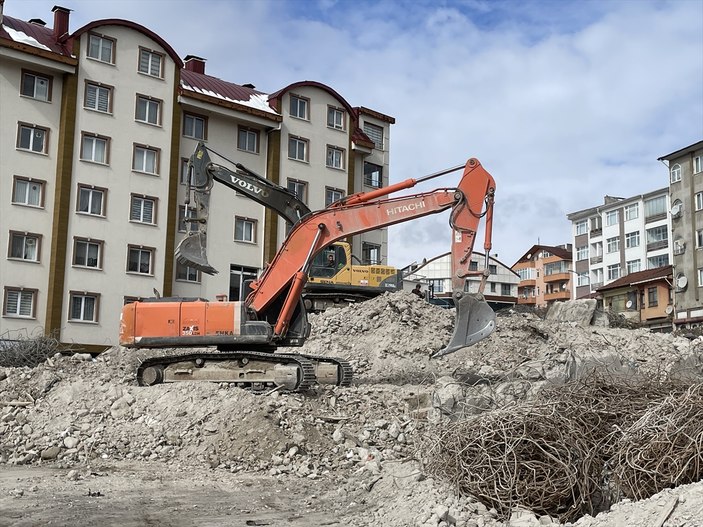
(81, 443)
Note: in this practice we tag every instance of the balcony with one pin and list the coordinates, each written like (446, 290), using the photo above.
(556, 277)
(596, 260)
(595, 232)
(530, 301)
(559, 295)
(530, 282)
(663, 244)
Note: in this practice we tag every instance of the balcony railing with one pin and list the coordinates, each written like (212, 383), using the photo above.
(596, 259)
(558, 295)
(531, 300)
(595, 232)
(557, 277)
(657, 245)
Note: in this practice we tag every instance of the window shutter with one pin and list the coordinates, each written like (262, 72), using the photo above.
(12, 302)
(155, 65)
(144, 62)
(148, 211)
(104, 100)
(136, 213)
(91, 96)
(25, 304)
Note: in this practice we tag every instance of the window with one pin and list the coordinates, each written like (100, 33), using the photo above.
(32, 138)
(148, 110)
(657, 261)
(632, 239)
(652, 296)
(505, 289)
(658, 235)
(335, 157)
(87, 253)
(613, 272)
(697, 164)
(582, 253)
(596, 224)
(492, 269)
(582, 279)
(299, 188)
(699, 239)
(24, 246)
(19, 302)
(613, 244)
(611, 217)
(194, 126)
(370, 253)
(297, 148)
(581, 227)
(27, 191)
(184, 225)
(655, 207)
(299, 107)
(91, 200)
(98, 97)
(248, 140)
(596, 250)
(36, 86)
(632, 212)
(143, 209)
(473, 266)
(94, 148)
(84, 307)
(101, 48)
(187, 274)
(675, 173)
(145, 159)
(634, 266)
(332, 195)
(375, 133)
(150, 63)
(335, 118)
(597, 276)
(699, 200)
(139, 260)
(244, 230)
(373, 175)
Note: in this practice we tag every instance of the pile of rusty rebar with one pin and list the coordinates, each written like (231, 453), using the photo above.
(576, 449)
(24, 351)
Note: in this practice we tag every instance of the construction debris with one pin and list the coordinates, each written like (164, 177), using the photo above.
(544, 422)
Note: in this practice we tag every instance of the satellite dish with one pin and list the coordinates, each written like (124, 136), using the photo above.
(669, 310)
(676, 210)
(681, 282)
(628, 304)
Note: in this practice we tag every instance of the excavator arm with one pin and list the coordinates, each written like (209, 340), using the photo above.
(275, 296)
(202, 174)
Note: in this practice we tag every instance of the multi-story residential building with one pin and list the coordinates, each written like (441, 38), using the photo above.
(500, 290)
(685, 168)
(98, 125)
(544, 273)
(622, 236)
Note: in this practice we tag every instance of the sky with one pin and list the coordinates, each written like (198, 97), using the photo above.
(562, 101)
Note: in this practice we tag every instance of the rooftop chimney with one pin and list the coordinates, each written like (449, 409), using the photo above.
(37, 21)
(249, 85)
(61, 15)
(194, 64)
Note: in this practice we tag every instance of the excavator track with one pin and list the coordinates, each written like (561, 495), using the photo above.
(250, 370)
(345, 372)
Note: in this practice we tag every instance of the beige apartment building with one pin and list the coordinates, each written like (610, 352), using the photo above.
(97, 126)
(545, 275)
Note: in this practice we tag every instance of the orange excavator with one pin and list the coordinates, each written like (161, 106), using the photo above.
(247, 333)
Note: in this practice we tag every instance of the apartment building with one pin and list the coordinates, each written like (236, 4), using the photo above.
(501, 287)
(98, 125)
(685, 171)
(545, 275)
(619, 237)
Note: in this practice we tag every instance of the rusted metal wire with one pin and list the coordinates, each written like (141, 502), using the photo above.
(577, 448)
(25, 351)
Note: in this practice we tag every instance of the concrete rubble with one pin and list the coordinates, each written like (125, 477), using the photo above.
(363, 440)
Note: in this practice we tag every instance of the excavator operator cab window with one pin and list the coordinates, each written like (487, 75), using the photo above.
(327, 263)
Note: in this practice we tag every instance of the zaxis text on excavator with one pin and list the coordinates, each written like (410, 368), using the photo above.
(247, 333)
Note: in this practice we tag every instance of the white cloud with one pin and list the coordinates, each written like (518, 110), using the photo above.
(563, 102)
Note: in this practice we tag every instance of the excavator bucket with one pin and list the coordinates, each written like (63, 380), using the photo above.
(475, 320)
(192, 252)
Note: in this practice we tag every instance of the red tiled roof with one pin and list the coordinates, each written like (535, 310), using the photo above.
(562, 253)
(650, 275)
(42, 34)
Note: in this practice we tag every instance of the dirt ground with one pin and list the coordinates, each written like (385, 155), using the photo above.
(82, 444)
